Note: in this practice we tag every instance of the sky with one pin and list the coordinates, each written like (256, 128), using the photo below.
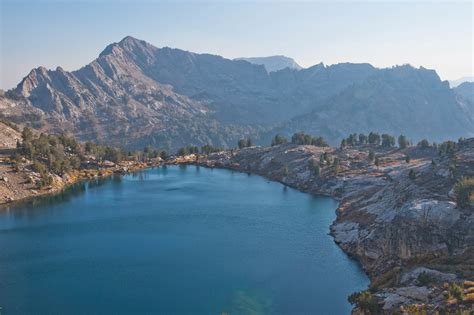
(436, 35)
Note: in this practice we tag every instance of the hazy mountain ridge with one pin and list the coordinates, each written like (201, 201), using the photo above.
(135, 94)
(465, 90)
(273, 63)
(456, 83)
(398, 100)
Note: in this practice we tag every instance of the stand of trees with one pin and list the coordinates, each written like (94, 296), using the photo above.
(279, 139)
(208, 149)
(376, 139)
(190, 149)
(55, 154)
(305, 139)
(244, 143)
(51, 154)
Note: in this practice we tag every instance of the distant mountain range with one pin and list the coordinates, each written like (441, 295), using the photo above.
(455, 83)
(397, 100)
(465, 90)
(136, 94)
(274, 63)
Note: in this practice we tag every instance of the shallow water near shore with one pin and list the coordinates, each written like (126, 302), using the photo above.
(175, 240)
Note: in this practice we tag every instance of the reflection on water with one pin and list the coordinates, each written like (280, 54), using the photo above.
(65, 195)
(59, 197)
(251, 302)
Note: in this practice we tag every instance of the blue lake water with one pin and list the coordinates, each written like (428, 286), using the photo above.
(175, 240)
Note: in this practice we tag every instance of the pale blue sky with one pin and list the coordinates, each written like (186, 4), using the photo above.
(70, 34)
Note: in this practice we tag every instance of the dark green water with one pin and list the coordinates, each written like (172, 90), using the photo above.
(175, 240)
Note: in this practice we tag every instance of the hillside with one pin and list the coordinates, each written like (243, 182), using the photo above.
(466, 90)
(9, 135)
(399, 100)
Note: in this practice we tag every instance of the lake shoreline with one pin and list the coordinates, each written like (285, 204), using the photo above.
(22, 193)
(368, 225)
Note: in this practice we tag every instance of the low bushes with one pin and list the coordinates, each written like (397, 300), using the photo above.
(464, 191)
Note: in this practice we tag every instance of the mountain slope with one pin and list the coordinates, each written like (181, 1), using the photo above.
(456, 83)
(465, 90)
(136, 94)
(113, 100)
(399, 100)
(273, 63)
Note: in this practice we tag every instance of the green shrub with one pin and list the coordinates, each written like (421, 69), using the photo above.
(456, 291)
(314, 167)
(425, 279)
(365, 301)
(39, 167)
(371, 156)
(464, 191)
(285, 171)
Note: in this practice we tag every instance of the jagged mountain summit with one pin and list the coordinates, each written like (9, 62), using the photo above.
(136, 94)
(274, 63)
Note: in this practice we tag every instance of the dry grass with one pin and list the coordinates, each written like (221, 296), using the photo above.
(469, 290)
(469, 297)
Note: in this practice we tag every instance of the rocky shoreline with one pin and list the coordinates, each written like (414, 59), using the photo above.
(19, 185)
(398, 219)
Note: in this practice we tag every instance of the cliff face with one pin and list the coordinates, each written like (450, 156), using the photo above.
(394, 218)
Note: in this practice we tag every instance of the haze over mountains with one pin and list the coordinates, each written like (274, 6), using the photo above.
(135, 94)
(455, 83)
(274, 63)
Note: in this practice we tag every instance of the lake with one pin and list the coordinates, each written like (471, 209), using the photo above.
(175, 240)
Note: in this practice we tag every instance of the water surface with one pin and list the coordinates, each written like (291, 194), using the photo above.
(175, 240)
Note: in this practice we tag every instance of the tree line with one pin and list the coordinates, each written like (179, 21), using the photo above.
(51, 154)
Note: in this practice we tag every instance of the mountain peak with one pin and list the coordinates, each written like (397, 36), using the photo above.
(128, 43)
(130, 40)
